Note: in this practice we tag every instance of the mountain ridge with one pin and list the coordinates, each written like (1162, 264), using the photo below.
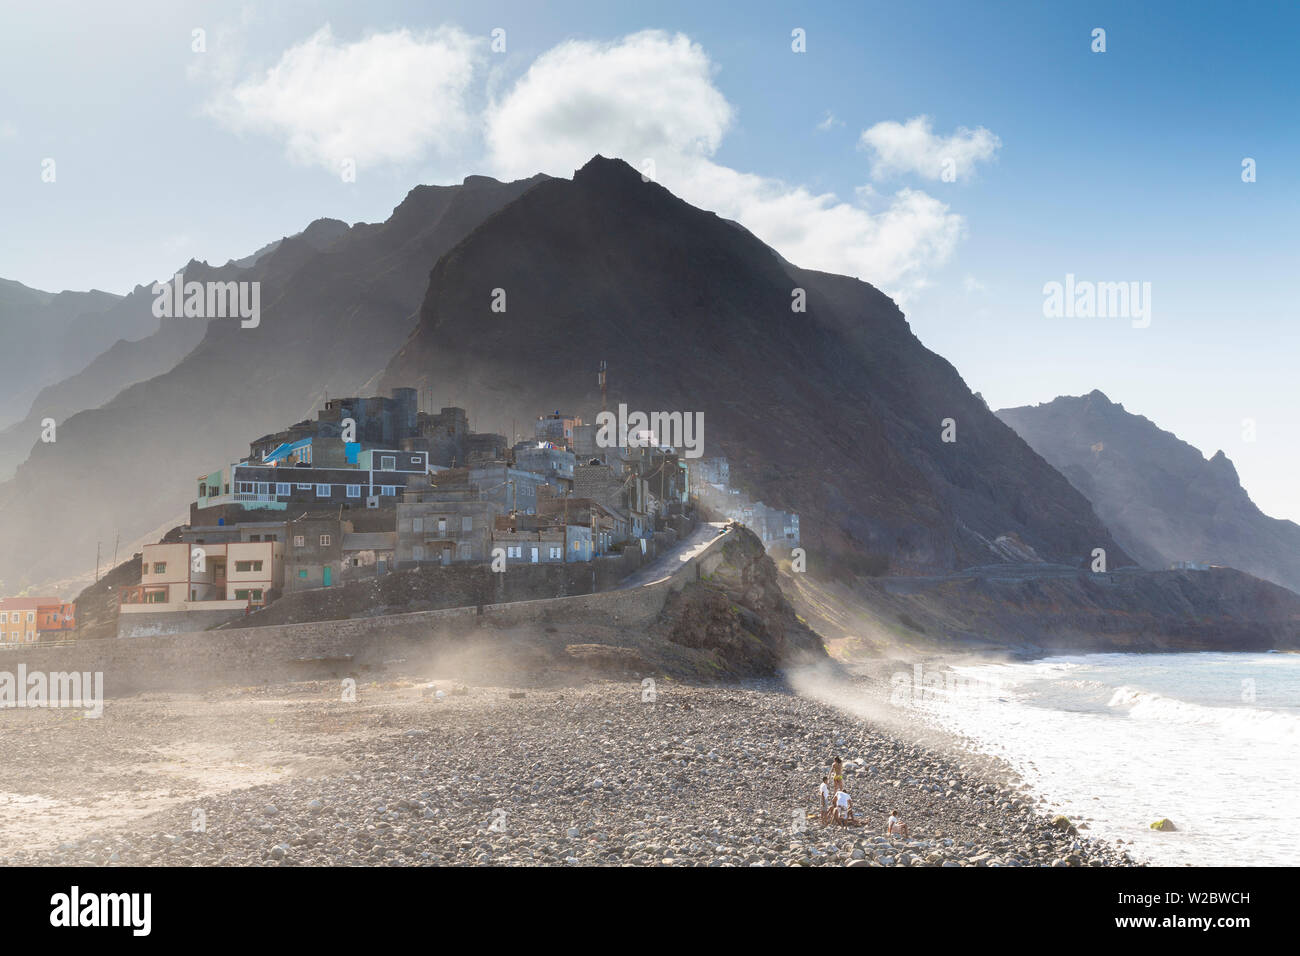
(606, 265)
(331, 318)
(1160, 496)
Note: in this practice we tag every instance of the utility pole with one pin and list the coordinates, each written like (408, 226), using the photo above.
(96, 562)
(116, 540)
(600, 378)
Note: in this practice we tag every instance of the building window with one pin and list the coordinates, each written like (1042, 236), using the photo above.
(245, 487)
(298, 541)
(302, 573)
(160, 567)
(387, 462)
(324, 541)
(304, 486)
(442, 526)
(322, 491)
(282, 489)
(557, 553)
(417, 526)
(254, 537)
(245, 567)
(389, 490)
(514, 551)
(354, 491)
(4, 617)
(417, 552)
(466, 523)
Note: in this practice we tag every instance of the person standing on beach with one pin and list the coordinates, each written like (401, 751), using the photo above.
(837, 775)
(825, 792)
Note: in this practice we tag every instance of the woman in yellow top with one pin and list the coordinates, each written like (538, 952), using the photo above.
(837, 775)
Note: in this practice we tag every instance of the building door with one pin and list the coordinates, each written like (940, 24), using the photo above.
(534, 555)
(329, 575)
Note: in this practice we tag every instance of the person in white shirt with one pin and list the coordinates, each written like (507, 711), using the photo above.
(895, 826)
(844, 810)
(825, 792)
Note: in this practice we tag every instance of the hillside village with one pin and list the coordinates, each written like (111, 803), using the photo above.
(377, 485)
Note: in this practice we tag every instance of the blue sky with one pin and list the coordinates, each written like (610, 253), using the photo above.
(1115, 166)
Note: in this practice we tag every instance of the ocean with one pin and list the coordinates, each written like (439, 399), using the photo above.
(1210, 741)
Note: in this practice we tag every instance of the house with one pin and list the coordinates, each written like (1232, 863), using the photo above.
(189, 576)
(313, 552)
(368, 478)
(554, 462)
(606, 526)
(512, 488)
(536, 539)
(21, 618)
(444, 523)
(710, 471)
(55, 620)
(556, 428)
(368, 554)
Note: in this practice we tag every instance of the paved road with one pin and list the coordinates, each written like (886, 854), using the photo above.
(664, 565)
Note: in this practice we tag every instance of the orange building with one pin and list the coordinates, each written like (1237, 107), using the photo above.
(53, 617)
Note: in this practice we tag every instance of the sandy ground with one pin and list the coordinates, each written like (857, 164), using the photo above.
(65, 774)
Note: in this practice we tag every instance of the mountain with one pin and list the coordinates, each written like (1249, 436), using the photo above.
(835, 413)
(330, 319)
(126, 362)
(1159, 495)
(51, 335)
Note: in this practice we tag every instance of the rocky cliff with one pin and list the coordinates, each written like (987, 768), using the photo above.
(1160, 497)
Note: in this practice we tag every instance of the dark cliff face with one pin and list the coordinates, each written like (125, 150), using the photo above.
(1162, 499)
(336, 302)
(738, 618)
(835, 412)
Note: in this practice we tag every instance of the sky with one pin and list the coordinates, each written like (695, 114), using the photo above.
(960, 156)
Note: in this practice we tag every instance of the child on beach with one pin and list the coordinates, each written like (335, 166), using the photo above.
(895, 826)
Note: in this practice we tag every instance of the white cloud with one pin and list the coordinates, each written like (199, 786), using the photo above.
(388, 98)
(398, 97)
(913, 147)
(830, 122)
(651, 96)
